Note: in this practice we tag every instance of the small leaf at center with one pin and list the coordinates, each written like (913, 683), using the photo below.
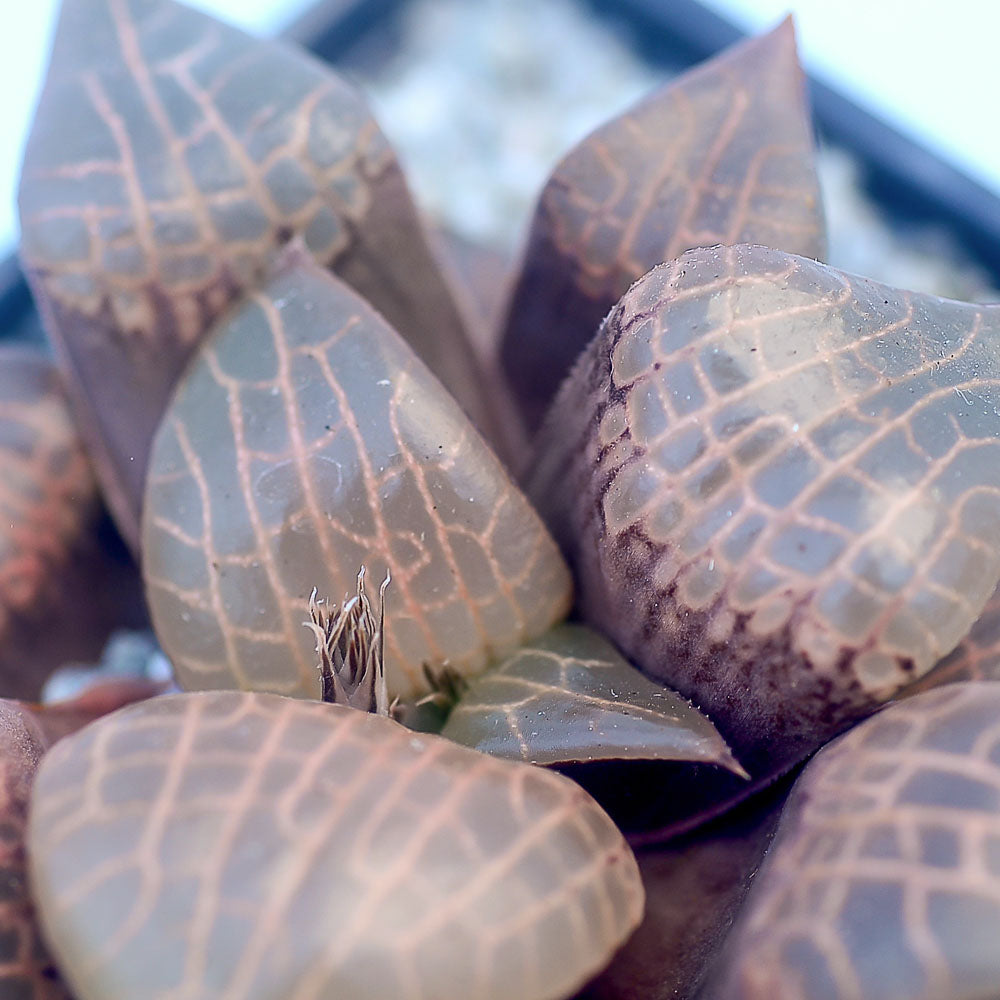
(571, 697)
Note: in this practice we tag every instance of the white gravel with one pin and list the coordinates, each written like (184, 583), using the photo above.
(482, 98)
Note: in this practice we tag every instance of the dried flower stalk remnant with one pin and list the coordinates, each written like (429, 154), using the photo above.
(350, 642)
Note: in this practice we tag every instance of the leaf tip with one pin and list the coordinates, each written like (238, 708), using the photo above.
(730, 763)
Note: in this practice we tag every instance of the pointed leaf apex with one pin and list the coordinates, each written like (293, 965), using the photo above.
(89, 33)
(570, 697)
(722, 155)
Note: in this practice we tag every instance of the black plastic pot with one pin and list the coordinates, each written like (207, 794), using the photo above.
(910, 183)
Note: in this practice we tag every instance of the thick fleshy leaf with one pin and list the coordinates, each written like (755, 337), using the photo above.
(571, 697)
(306, 441)
(975, 658)
(722, 155)
(263, 848)
(56, 719)
(694, 887)
(479, 276)
(170, 156)
(26, 970)
(62, 588)
(47, 492)
(780, 486)
(883, 880)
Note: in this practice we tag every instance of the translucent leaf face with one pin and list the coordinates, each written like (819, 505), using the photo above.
(781, 488)
(309, 440)
(170, 156)
(723, 155)
(26, 971)
(571, 697)
(262, 848)
(976, 657)
(883, 878)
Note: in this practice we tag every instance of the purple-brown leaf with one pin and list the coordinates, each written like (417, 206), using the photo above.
(722, 155)
(26, 970)
(780, 487)
(47, 491)
(263, 848)
(309, 440)
(170, 157)
(883, 880)
(56, 719)
(61, 590)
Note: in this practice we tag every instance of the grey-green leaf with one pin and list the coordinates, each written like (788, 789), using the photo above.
(571, 697)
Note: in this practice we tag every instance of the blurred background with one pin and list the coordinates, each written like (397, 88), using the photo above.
(481, 97)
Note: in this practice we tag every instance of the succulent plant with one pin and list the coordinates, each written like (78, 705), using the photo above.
(765, 492)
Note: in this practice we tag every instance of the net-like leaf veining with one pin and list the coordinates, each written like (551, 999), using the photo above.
(251, 847)
(780, 485)
(723, 155)
(170, 156)
(570, 696)
(309, 440)
(884, 878)
(975, 658)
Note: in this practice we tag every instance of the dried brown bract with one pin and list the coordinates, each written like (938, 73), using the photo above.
(350, 643)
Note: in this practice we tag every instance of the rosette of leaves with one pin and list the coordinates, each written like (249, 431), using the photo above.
(246, 515)
(307, 438)
(772, 486)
